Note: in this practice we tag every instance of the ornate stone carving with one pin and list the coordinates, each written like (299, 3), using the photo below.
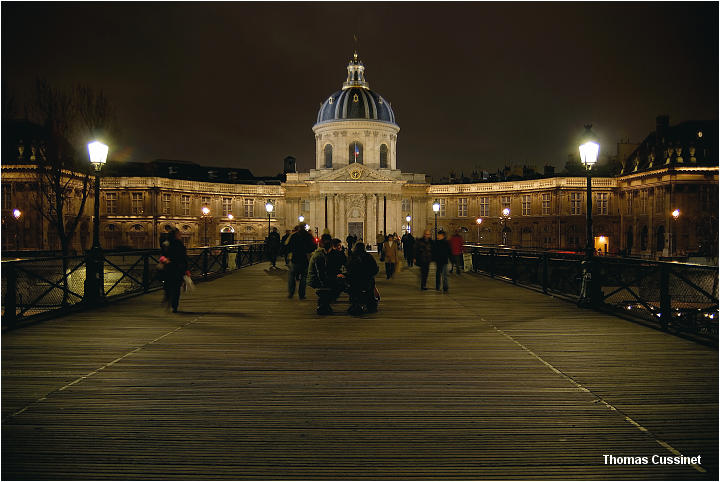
(355, 205)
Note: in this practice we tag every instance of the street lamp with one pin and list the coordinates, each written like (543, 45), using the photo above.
(408, 218)
(230, 217)
(588, 155)
(94, 289)
(436, 209)
(479, 222)
(504, 218)
(675, 215)
(301, 218)
(269, 208)
(206, 212)
(17, 214)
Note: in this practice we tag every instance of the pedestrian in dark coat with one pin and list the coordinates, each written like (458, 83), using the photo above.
(456, 246)
(441, 253)
(362, 269)
(273, 246)
(300, 245)
(175, 267)
(423, 256)
(283, 246)
(322, 276)
(408, 246)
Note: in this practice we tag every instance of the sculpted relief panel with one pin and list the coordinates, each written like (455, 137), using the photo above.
(355, 206)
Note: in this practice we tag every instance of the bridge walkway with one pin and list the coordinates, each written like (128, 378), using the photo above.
(487, 381)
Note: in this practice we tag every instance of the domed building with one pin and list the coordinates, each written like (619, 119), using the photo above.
(356, 187)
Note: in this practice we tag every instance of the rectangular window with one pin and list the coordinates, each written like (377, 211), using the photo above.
(111, 202)
(442, 207)
(205, 202)
(526, 200)
(166, 203)
(226, 206)
(185, 204)
(546, 207)
(405, 206)
(248, 211)
(6, 197)
(305, 206)
(643, 201)
(462, 207)
(659, 196)
(576, 203)
(602, 203)
(484, 206)
(504, 203)
(629, 202)
(137, 203)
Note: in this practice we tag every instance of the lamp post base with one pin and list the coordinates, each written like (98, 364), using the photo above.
(94, 276)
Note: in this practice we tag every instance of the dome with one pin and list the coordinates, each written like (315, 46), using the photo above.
(355, 100)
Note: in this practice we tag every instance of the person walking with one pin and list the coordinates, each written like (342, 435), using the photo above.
(175, 266)
(423, 256)
(300, 245)
(408, 246)
(380, 239)
(362, 269)
(441, 253)
(456, 249)
(390, 250)
(283, 246)
(273, 245)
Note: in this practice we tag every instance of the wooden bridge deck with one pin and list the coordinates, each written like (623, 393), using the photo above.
(490, 381)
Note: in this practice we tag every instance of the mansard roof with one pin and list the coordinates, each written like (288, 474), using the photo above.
(178, 169)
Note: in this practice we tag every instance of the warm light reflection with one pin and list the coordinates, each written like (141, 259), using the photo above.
(676, 213)
(205, 210)
(17, 213)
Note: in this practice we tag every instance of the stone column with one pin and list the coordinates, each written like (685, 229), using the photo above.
(370, 223)
(331, 214)
(343, 216)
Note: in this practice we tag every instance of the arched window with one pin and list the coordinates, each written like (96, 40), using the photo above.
(355, 152)
(383, 156)
(328, 155)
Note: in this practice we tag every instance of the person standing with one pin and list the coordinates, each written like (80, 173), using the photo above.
(456, 249)
(273, 245)
(300, 245)
(350, 240)
(408, 246)
(380, 239)
(175, 267)
(441, 253)
(390, 250)
(423, 256)
(283, 245)
(362, 269)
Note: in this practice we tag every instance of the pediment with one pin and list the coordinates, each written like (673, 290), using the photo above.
(355, 172)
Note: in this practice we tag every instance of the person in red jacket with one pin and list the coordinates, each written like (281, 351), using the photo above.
(456, 249)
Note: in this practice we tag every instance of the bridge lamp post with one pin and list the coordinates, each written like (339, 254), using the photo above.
(675, 215)
(408, 218)
(504, 219)
(301, 219)
(17, 214)
(588, 155)
(436, 209)
(206, 212)
(269, 208)
(94, 289)
(478, 221)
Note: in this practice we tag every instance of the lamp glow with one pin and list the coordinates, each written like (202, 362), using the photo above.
(98, 153)
(676, 213)
(17, 213)
(589, 149)
(230, 216)
(269, 207)
(408, 218)
(301, 218)
(506, 212)
(478, 220)
(436, 206)
(205, 210)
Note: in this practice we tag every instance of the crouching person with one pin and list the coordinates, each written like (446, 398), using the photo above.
(362, 269)
(322, 276)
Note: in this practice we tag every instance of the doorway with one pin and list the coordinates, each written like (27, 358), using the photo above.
(356, 229)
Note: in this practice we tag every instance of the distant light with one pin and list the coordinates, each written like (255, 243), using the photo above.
(506, 212)
(408, 218)
(205, 210)
(676, 213)
(230, 216)
(17, 213)
(478, 220)
(301, 218)
(699, 133)
(602, 239)
(307, 227)
(269, 207)
(98, 153)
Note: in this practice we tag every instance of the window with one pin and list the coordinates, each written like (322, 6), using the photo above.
(205, 202)
(355, 152)
(442, 207)
(328, 155)
(546, 208)
(462, 207)
(305, 206)
(602, 203)
(643, 201)
(526, 205)
(659, 196)
(166, 203)
(504, 202)
(575, 203)
(226, 206)
(6, 196)
(484, 206)
(111, 202)
(405, 208)
(185, 204)
(137, 203)
(629, 202)
(248, 210)
(383, 156)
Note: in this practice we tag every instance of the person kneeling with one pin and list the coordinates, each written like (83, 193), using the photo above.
(362, 269)
(323, 277)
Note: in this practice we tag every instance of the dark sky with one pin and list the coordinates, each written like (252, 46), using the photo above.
(472, 84)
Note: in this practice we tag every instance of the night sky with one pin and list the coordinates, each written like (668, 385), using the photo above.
(472, 84)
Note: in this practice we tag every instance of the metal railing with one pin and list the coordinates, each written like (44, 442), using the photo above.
(39, 287)
(678, 297)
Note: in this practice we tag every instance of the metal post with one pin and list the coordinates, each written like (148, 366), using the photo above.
(435, 226)
(586, 290)
(665, 302)
(94, 278)
(268, 224)
(146, 273)
(545, 267)
(10, 302)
